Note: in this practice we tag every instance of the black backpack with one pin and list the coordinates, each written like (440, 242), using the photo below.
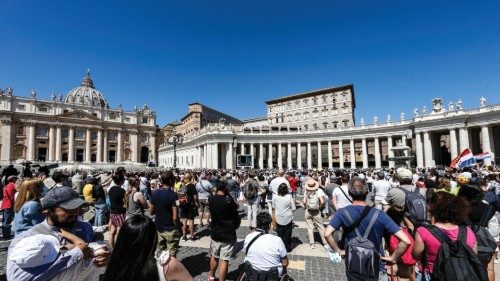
(486, 244)
(362, 258)
(415, 206)
(251, 190)
(455, 260)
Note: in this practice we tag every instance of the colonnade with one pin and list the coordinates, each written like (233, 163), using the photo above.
(354, 152)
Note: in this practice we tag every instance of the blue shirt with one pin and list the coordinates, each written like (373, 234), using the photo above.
(384, 225)
(29, 215)
(64, 261)
(163, 199)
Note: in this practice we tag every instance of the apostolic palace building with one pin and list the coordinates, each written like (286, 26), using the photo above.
(315, 129)
(78, 128)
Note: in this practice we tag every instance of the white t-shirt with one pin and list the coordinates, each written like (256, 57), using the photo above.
(342, 200)
(275, 183)
(266, 252)
(380, 188)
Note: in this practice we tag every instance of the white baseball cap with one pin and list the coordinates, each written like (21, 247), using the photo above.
(35, 250)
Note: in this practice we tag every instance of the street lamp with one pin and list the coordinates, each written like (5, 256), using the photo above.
(175, 140)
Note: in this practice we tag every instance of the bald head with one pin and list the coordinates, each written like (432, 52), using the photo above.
(280, 173)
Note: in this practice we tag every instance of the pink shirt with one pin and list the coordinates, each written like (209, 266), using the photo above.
(432, 243)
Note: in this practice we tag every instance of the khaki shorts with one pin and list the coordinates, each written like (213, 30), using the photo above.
(169, 240)
(203, 208)
(222, 250)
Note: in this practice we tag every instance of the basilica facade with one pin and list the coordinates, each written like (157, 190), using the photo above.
(80, 127)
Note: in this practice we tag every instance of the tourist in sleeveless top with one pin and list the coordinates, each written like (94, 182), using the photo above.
(134, 198)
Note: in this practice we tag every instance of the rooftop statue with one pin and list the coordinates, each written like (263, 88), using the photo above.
(482, 102)
(451, 107)
(402, 117)
(415, 112)
(459, 104)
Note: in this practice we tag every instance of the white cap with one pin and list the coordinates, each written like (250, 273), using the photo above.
(35, 250)
(404, 173)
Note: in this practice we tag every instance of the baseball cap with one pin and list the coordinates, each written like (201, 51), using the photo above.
(35, 250)
(404, 174)
(62, 196)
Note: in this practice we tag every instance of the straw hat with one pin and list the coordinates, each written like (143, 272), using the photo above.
(312, 185)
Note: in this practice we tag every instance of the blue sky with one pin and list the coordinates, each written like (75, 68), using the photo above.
(235, 55)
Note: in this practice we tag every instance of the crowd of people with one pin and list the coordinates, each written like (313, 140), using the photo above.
(396, 224)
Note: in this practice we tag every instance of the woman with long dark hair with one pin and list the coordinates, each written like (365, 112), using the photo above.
(134, 258)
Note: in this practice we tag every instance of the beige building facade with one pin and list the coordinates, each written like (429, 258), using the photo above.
(77, 128)
(319, 109)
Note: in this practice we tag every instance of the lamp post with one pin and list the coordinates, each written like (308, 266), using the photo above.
(174, 141)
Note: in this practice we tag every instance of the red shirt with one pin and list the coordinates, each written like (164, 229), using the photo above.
(8, 196)
(293, 181)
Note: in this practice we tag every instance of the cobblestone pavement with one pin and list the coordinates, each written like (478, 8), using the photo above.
(305, 263)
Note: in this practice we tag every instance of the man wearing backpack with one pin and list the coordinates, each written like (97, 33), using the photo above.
(250, 192)
(364, 228)
(313, 202)
(407, 192)
(481, 216)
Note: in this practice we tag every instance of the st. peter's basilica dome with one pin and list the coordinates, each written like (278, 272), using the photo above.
(86, 94)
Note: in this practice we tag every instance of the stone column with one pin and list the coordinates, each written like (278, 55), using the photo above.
(365, 153)
(88, 141)
(215, 155)
(463, 134)
(199, 163)
(280, 157)
(119, 149)
(252, 152)
(134, 144)
(51, 144)
(105, 147)
(299, 156)
(378, 162)
(320, 159)
(261, 156)
(242, 148)
(341, 155)
(6, 140)
(289, 156)
(270, 156)
(31, 142)
(152, 146)
(453, 144)
(58, 153)
(330, 164)
(309, 156)
(71, 145)
(419, 150)
(429, 162)
(205, 155)
(352, 153)
(390, 153)
(230, 156)
(99, 146)
(485, 142)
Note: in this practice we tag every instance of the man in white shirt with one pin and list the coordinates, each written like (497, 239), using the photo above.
(264, 252)
(341, 198)
(380, 189)
(275, 183)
